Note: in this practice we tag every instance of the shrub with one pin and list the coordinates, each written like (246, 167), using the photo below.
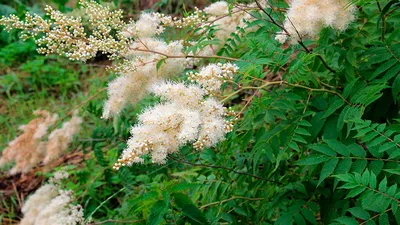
(311, 135)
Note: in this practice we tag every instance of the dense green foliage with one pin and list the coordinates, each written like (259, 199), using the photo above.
(318, 141)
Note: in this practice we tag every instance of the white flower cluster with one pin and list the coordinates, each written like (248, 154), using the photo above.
(132, 85)
(152, 24)
(51, 206)
(213, 76)
(139, 69)
(65, 35)
(197, 17)
(147, 25)
(217, 9)
(306, 18)
(184, 116)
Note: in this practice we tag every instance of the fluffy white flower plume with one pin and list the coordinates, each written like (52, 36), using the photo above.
(121, 91)
(213, 126)
(306, 18)
(148, 25)
(186, 95)
(135, 82)
(217, 9)
(184, 116)
(213, 76)
(36, 202)
(60, 211)
(51, 206)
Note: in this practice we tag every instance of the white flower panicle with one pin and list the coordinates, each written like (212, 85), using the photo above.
(27, 150)
(195, 18)
(187, 95)
(148, 25)
(213, 76)
(217, 9)
(51, 206)
(213, 126)
(135, 82)
(59, 139)
(121, 91)
(102, 16)
(60, 211)
(306, 18)
(184, 116)
(36, 202)
(65, 35)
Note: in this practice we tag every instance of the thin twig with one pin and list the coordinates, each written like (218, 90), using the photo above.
(223, 167)
(372, 218)
(119, 221)
(272, 20)
(391, 52)
(101, 204)
(211, 22)
(288, 84)
(186, 56)
(308, 51)
(230, 199)
(78, 106)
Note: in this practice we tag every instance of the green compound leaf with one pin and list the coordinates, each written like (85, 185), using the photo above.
(328, 169)
(158, 211)
(184, 203)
